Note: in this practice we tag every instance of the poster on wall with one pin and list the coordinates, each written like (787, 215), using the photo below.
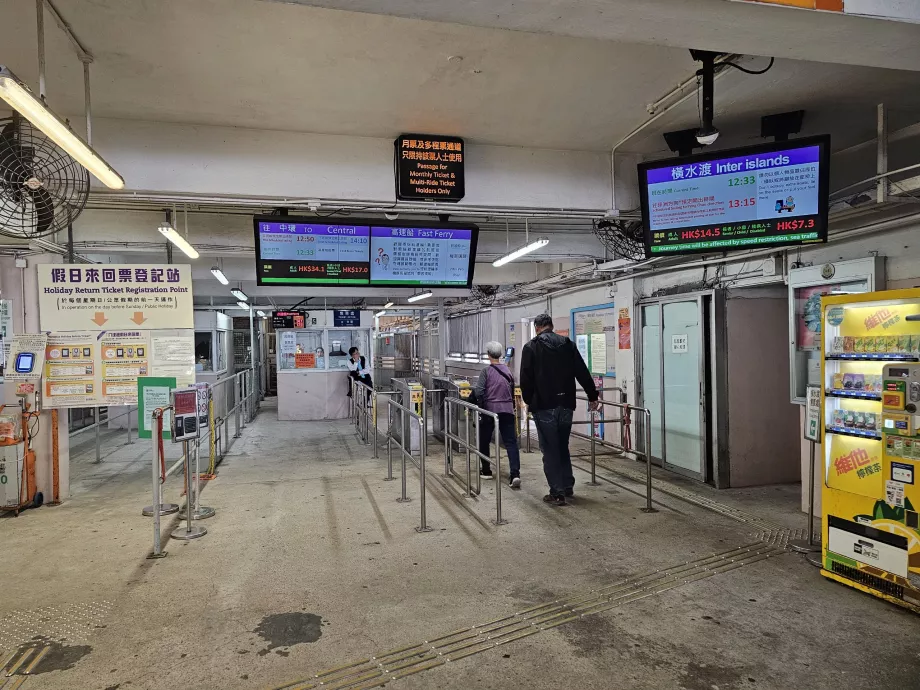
(115, 296)
(601, 326)
(808, 315)
(125, 357)
(173, 354)
(70, 369)
(624, 330)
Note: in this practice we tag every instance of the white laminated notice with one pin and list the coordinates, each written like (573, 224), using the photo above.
(894, 493)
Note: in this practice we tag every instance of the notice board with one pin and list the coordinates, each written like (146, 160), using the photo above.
(595, 331)
(430, 167)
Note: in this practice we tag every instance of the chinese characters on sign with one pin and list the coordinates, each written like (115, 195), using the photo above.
(764, 195)
(145, 297)
(346, 318)
(883, 317)
(429, 167)
(421, 256)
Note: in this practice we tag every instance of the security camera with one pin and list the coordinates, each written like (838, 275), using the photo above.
(707, 135)
(391, 216)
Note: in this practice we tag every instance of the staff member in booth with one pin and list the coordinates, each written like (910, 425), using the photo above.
(358, 370)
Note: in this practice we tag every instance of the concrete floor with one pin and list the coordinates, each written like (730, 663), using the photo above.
(311, 564)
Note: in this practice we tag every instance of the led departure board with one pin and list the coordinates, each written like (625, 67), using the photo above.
(768, 195)
(309, 253)
(421, 256)
(300, 251)
(430, 167)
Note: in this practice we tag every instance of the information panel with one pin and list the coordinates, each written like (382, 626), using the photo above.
(429, 167)
(299, 252)
(773, 194)
(421, 256)
(311, 253)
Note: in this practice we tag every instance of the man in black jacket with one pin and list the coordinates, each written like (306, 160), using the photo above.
(550, 365)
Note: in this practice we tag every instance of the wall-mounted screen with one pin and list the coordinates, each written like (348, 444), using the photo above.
(300, 251)
(421, 256)
(767, 195)
(309, 253)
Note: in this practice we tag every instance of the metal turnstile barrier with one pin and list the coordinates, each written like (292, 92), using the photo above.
(449, 386)
(409, 393)
(364, 410)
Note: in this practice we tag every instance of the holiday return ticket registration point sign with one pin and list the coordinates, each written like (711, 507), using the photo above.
(115, 297)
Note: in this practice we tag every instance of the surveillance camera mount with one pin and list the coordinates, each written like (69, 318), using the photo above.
(707, 75)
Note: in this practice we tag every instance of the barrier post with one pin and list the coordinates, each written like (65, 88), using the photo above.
(199, 511)
(527, 422)
(157, 551)
(469, 476)
(98, 415)
(236, 407)
(593, 481)
(191, 531)
(498, 477)
(648, 464)
(389, 476)
(373, 419)
(423, 451)
(405, 448)
(470, 445)
(447, 440)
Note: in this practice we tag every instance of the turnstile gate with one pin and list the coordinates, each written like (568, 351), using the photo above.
(411, 394)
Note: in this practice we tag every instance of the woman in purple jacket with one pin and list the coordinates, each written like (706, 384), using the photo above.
(495, 393)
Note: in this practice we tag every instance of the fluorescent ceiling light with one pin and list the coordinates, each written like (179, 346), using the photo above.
(521, 251)
(169, 232)
(420, 296)
(219, 274)
(261, 314)
(243, 305)
(239, 294)
(21, 99)
(380, 313)
(387, 305)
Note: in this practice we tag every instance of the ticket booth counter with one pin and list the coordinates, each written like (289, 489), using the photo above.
(312, 370)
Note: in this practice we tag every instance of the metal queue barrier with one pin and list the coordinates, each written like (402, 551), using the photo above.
(407, 420)
(626, 412)
(472, 448)
(239, 390)
(364, 416)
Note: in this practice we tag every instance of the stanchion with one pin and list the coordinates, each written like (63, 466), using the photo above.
(199, 512)
(423, 451)
(157, 416)
(191, 531)
(405, 443)
(648, 463)
(165, 508)
(593, 481)
(499, 520)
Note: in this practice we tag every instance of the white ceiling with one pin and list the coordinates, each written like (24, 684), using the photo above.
(734, 27)
(268, 65)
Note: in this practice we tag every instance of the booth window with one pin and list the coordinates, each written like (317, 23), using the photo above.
(339, 344)
(204, 350)
(301, 350)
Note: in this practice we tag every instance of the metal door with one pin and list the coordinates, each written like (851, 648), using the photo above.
(673, 381)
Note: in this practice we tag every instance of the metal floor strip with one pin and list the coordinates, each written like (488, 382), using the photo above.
(386, 667)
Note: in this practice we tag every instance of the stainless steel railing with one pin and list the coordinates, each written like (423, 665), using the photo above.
(471, 449)
(404, 445)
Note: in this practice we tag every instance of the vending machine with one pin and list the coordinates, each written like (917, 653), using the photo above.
(871, 400)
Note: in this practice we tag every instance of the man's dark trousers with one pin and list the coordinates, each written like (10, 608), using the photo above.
(553, 429)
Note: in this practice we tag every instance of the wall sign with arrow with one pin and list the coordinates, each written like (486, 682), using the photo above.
(119, 296)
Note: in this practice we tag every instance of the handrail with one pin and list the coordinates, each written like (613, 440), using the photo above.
(647, 451)
(470, 449)
(367, 412)
(99, 422)
(405, 448)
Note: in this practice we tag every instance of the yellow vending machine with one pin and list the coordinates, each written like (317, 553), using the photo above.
(871, 490)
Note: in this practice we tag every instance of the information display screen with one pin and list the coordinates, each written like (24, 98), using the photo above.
(289, 319)
(299, 251)
(772, 194)
(421, 256)
(294, 253)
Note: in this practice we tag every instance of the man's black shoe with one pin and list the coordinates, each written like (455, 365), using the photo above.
(554, 500)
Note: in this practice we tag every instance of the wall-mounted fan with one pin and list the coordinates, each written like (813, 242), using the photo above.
(42, 189)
